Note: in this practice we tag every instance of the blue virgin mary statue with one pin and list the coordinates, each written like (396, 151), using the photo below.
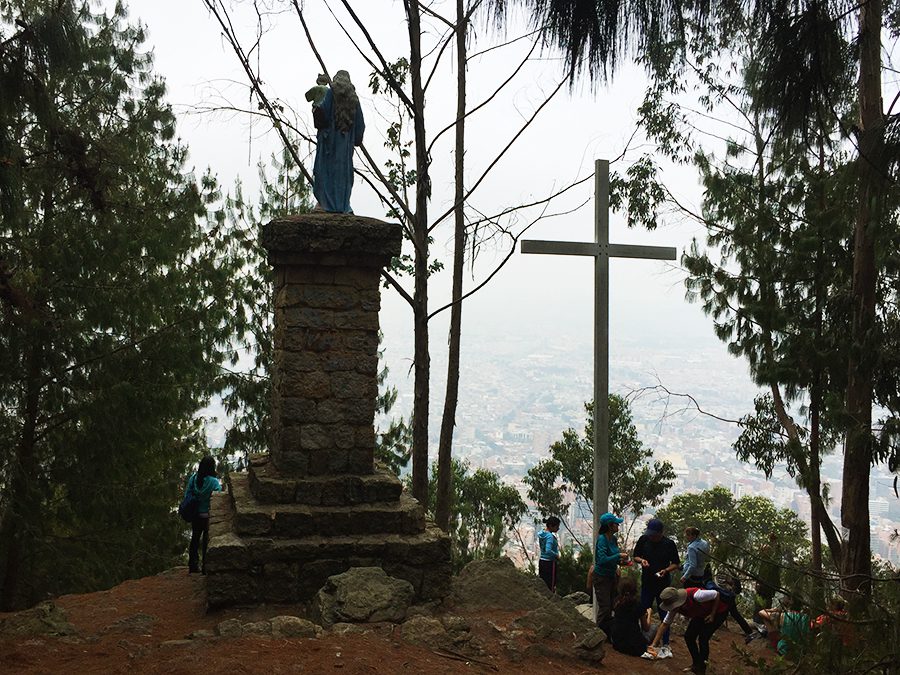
(339, 120)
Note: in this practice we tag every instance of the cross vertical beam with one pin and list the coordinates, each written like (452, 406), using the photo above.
(601, 250)
(601, 342)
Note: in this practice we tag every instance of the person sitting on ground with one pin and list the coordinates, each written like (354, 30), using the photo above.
(696, 572)
(607, 558)
(203, 483)
(706, 611)
(658, 557)
(792, 625)
(631, 622)
(834, 621)
(768, 579)
(548, 563)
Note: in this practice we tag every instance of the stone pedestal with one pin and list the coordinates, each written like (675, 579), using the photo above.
(317, 505)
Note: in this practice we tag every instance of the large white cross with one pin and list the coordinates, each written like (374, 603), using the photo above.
(602, 251)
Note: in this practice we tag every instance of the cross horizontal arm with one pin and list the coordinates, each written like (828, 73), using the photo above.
(632, 251)
(559, 247)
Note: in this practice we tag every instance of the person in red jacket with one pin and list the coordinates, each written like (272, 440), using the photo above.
(705, 609)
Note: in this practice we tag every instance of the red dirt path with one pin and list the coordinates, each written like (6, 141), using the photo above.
(125, 630)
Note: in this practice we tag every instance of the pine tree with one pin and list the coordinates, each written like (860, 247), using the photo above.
(117, 293)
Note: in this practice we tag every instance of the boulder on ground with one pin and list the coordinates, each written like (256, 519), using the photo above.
(44, 619)
(363, 595)
(293, 626)
(230, 628)
(497, 584)
(427, 632)
(578, 598)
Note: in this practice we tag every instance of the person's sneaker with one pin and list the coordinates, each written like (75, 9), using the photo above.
(650, 654)
(665, 652)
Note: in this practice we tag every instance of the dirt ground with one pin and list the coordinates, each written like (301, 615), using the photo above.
(142, 626)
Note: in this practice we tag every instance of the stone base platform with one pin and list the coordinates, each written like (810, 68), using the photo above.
(284, 552)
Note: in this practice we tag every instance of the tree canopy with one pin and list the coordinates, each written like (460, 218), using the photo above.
(118, 293)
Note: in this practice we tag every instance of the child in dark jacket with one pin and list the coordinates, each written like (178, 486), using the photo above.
(630, 622)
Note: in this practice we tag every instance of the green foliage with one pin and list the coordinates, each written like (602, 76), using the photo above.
(572, 570)
(118, 294)
(635, 482)
(392, 446)
(247, 396)
(483, 511)
(739, 531)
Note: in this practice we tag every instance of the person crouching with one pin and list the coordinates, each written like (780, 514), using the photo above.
(706, 611)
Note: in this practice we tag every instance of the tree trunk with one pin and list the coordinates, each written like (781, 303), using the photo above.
(857, 559)
(445, 449)
(421, 356)
(24, 471)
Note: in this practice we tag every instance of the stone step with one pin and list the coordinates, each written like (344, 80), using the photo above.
(269, 487)
(256, 519)
(252, 570)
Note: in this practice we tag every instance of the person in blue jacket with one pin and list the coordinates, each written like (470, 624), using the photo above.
(203, 483)
(549, 560)
(607, 558)
(696, 572)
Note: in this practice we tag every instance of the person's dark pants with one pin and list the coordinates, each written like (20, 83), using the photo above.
(697, 636)
(547, 572)
(762, 599)
(741, 621)
(649, 593)
(199, 536)
(605, 592)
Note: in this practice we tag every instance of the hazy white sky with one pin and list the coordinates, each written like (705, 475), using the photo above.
(546, 295)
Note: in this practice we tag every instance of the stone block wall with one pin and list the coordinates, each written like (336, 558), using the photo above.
(316, 505)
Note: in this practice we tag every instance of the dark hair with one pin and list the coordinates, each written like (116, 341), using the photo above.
(627, 592)
(604, 528)
(692, 531)
(794, 603)
(207, 467)
(552, 521)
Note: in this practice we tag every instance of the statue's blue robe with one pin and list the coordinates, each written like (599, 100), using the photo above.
(333, 169)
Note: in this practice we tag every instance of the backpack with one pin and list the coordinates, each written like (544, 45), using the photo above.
(190, 505)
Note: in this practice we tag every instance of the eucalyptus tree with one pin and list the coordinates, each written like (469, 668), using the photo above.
(118, 294)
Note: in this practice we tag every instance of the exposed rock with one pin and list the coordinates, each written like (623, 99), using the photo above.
(363, 595)
(343, 628)
(456, 623)
(425, 631)
(136, 623)
(578, 598)
(497, 584)
(293, 626)
(201, 634)
(257, 628)
(230, 628)
(44, 619)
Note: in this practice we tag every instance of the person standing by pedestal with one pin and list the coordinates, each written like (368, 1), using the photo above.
(658, 557)
(549, 560)
(203, 483)
(607, 558)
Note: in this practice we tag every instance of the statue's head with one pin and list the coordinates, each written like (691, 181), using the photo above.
(322, 79)
(342, 77)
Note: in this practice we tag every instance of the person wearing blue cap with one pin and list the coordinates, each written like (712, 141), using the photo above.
(607, 558)
(658, 557)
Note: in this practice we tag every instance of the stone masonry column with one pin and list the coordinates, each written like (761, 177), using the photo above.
(327, 277)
